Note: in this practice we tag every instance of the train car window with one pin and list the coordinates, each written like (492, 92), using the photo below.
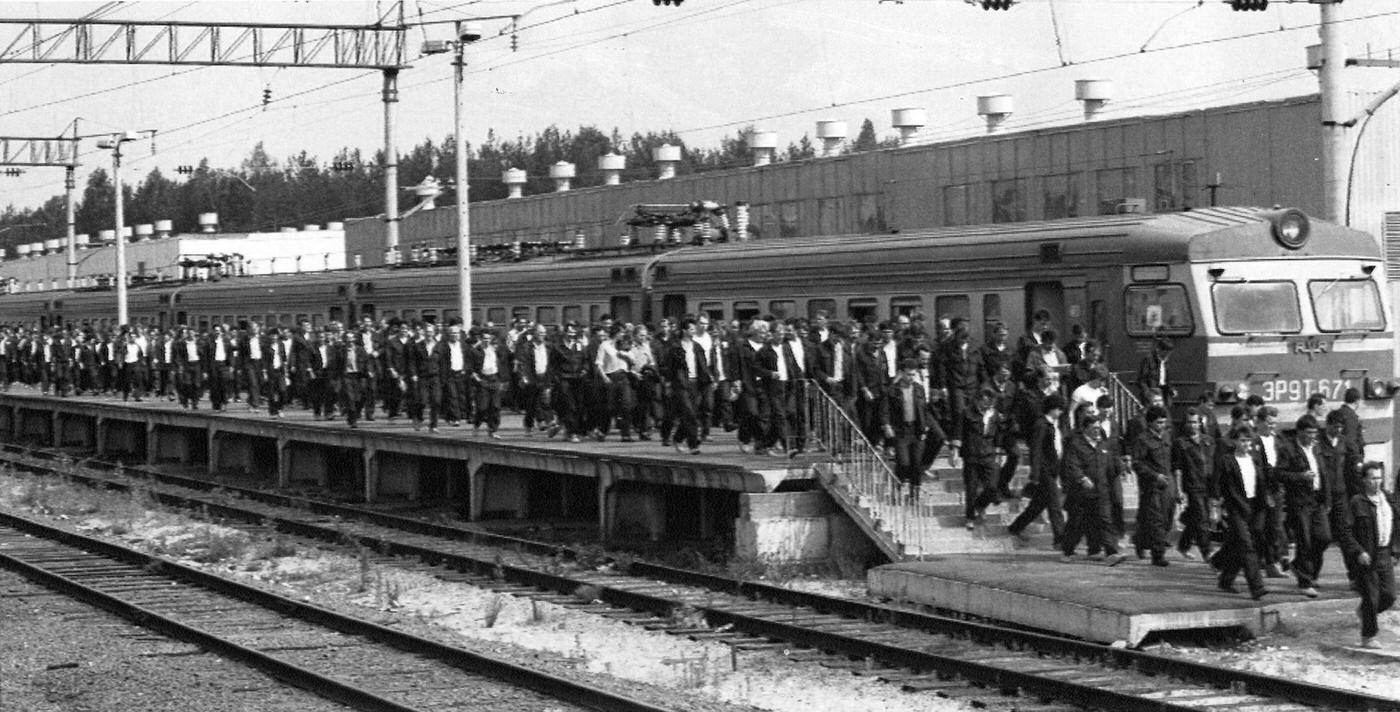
(476, 316)
(496, 315)
(907, 306)
(573, 313)
(519, 313)
(429, 316)
(1347, 305)
(782, 308)
(745, 311)
(594, 311)
(547, 315)
(821, 305)
(858, 310)
(389, 313)
(203, 323)
(316, 321)
(991, 308)
(449, 314)
(1256, 307)
(1153, 309)
(337, 314)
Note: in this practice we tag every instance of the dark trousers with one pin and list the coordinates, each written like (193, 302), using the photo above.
(1376, 584)
(1007, 442)
(979, 489)
(253, 376)
(191, 385)
(1307, 524)
(220, 374)
(352, 393)
(533, 401)
(908, 454)
(430, 397)
(1240, 551)
(648, 392)
(778, 416)
(488, 403)
(1156, 502)
(1046, 498)
(685, 397)
(1090, 519)
(454, 397)
(393, 390)
(570, 402)
(752, 414)
(276, 390)
(620, 401)
(133, 380)
(1272, 543)
(1195, 524)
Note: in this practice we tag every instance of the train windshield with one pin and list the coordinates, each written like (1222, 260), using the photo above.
(1347, 305)
(1257, 308)
(1157, 309)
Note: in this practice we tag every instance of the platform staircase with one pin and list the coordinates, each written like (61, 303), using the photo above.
(858, 476)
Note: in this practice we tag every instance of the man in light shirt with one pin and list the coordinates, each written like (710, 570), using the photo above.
(1240, 498)
(490, 370)
(1370, 541)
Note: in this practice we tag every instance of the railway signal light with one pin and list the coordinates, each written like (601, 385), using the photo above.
(1249, 5)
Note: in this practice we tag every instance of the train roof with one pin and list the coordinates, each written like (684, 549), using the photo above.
(1209, 234)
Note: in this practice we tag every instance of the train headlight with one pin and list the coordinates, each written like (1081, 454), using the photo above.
(1231, 392)
(1291, 228)
(1381, 388)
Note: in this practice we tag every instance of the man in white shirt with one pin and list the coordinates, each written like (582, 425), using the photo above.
(1370, 541)
(489, 374)
(1273, 545)
(1241, 492)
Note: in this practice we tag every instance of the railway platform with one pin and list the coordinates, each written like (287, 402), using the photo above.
(636, 489)
(1090, 600)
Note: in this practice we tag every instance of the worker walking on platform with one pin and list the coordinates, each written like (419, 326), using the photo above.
(1157, 486)
(1309, 491)
(1370, 541)
(490, 374)
(904, 419)
(1047, 449)
(1193, 462)
(1089, 467)
(1242, 490)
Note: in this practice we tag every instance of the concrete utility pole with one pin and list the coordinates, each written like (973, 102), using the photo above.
(1335, 133)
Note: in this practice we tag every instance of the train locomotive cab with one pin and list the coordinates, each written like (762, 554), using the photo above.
(1280, 306)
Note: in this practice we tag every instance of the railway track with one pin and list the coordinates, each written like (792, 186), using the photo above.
(352, 661)
(990, 665)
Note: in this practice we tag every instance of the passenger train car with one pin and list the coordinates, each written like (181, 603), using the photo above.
(1254, 300)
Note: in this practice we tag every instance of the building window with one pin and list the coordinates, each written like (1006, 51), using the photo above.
(789, 222)
(956, 207)
(1114, 185)
(1061, 196)
(870, 215)
(1009, 200)
(1176, 187)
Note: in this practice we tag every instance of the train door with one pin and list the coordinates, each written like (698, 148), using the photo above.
(673, 306)
(1049, 296)
(621, 309)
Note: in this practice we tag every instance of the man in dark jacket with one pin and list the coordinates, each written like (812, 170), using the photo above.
(1047, 447)
(1308, 490)
(1157, 488)
(905, 421)
(1089, 466)
(1242, 489)
(1370, 542)
(1193, 459)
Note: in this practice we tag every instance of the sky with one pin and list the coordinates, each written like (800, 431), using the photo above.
(704, 69)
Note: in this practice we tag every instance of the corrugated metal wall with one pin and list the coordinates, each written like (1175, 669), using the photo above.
(1264, 153)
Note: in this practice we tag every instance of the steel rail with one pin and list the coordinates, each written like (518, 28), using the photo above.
(987, 633)
(537, 681)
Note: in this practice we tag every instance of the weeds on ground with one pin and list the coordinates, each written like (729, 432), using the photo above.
(387, 590)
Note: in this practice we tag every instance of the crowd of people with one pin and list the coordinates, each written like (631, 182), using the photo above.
(1250, 497)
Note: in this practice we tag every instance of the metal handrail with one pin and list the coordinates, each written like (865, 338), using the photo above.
(858, 469)
(1126, 406)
